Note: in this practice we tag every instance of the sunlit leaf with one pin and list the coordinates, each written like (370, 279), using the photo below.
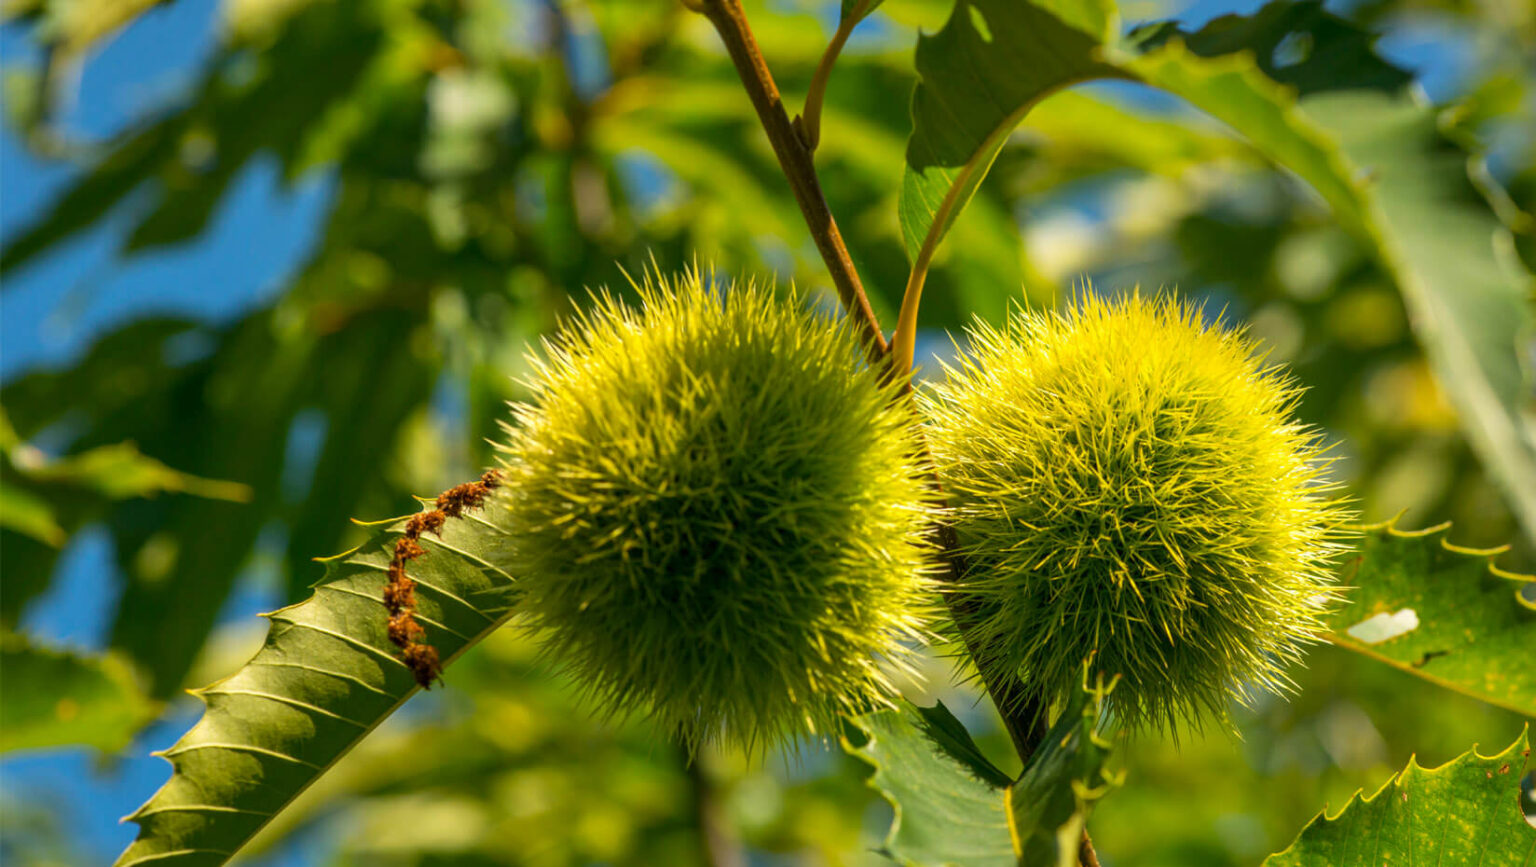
(120, 471)
(1468, 299)
(71, 26)
(326, 676)
(1402, 186)
(1441, 612)
(1466, 811)
(28, 514)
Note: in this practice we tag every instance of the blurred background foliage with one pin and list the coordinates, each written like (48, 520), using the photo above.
(480, 163)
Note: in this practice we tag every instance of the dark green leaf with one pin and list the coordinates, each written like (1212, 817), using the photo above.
(1300, 44)
(980, 74)
(230, 421)
(85, 204)
(121, 368)
(953, 806)
(372, 383)
(858, 10)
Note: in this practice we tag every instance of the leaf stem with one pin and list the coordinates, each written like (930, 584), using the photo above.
(904, 340)
(809, 123)
(730, 21)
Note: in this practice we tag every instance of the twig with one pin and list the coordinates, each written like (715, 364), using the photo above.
(1022, 711)
(795, 159)
(727, 16)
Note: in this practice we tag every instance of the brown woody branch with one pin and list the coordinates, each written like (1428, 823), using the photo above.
(1020, 715)
(795, 160)
(1021, 709)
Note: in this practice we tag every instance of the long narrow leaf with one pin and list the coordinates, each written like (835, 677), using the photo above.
(325, 678)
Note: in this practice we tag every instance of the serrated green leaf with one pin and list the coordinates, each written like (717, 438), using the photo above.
(1067, 774)
(56, 698)
(1466, 811)
(1440, 612)
(949, 809)
(326, 676)
(954, 807)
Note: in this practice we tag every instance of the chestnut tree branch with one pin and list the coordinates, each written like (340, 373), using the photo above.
(795, 159)
(1023, 719)
(1022, 710)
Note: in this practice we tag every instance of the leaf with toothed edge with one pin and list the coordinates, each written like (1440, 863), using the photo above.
(326, 676)
(1466, 811)
(953, 806)
(1441, 612)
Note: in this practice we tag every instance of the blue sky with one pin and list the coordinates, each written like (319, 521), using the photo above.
(52, 310)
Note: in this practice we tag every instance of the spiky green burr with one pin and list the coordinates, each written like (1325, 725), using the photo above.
(717, 513)
(1129, 483)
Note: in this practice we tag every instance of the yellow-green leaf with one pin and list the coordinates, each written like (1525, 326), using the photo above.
(1441, 612)
(57, 698)
(1466, 811)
